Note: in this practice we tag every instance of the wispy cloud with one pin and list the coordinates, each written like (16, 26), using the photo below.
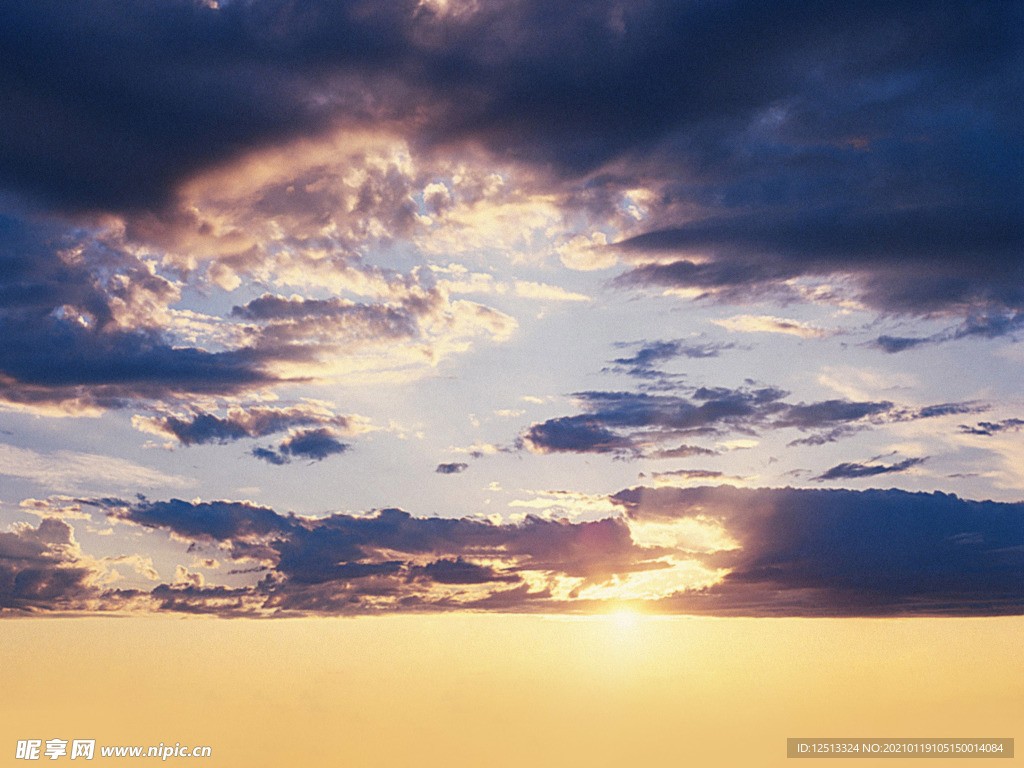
(197, 427)
(989, 428)
(771, 324)
(646, 425)
(850, 470)
(73, 471)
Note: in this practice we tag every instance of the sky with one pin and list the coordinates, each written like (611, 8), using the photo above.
(316, 309)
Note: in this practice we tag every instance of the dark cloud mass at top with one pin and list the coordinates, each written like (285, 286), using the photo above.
(877, 141)
(798, 109)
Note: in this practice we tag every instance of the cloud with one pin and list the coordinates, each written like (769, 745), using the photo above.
(203, 521)
(573, 434)
(86, 328)
(643, 363)
(313, 444)
(561, 504)
(893, 344)
(826, 413)
(74, 471)
(989, 428)
(280, 144)
(770, 324)
(852, 469)
(987, 325)
(374, 320)
(758, 256)
(765, 145)
(270, 456)
(545, 292)
(41, 569)
(453, 468)
(199, 427)
(387, 560)
(57, 506)
(316, 444)
(679, 452)
(640, 424)
(846, 553)
(89, 325)
(688, 476)
(708, 550)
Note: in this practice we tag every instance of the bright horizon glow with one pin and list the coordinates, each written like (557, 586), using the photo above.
(439, 690)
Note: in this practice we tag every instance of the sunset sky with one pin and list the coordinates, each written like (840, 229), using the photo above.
(316, 309)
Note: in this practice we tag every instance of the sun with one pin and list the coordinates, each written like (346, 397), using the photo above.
(625, 618)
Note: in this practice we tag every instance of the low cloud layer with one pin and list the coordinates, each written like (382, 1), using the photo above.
(41, 569)
(848, 553)
(710, 550)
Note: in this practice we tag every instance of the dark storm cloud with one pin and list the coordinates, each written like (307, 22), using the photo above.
(852, 469)
(316, 547)
(86, 324)
(747, 93)
(452, 468)
(849, 553)
(752, 258)
(109, 106)
(879, 141)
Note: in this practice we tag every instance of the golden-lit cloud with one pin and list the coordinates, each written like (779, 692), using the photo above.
(770, 324)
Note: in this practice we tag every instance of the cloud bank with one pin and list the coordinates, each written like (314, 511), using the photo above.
(709, 550)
